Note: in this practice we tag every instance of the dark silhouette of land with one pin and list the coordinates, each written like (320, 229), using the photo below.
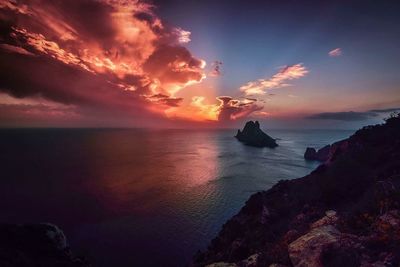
(252, 135)
(345, 213)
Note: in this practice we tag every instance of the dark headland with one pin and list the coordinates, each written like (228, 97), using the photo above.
(252, 135)
(345, 213)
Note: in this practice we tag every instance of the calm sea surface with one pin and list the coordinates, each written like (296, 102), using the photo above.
(141, 197)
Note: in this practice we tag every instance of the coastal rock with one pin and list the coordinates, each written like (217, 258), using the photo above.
(330, 218)
(310, 154)
(307, 250)
(252, 135)
(347, 209)
(36, 245)
(327, 153)
(320, 155)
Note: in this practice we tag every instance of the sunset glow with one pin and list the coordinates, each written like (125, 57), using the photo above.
(136, 62)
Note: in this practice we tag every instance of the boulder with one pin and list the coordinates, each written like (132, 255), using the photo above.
(306, 251)
(252, 135)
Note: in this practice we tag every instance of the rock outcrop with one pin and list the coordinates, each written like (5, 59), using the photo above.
(345, 213)
(326, 153)
(42, 245)
(252, 135)
(320, 155)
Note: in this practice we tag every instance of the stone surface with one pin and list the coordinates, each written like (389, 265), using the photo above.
(307, 250)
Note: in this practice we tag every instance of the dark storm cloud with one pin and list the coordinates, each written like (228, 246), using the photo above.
(23, 76)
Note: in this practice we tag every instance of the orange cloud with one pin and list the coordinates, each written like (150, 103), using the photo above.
(278, 80)
(100, 54)
(227, 109)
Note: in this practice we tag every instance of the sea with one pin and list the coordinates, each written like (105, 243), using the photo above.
(142, 197)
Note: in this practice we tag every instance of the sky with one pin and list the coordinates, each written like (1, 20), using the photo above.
(176, 63)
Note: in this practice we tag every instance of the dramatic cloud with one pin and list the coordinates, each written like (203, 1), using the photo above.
(174, 67)
(110, 59)
(166, 100)
(100, 56)
(344, 116)
(335, 52)
(226, 109)
(278, 80)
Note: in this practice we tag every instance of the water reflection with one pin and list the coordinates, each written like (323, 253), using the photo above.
(140, 197)
(136, 176)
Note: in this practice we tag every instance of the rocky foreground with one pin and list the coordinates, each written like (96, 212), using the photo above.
(345, 213)
(44, 245)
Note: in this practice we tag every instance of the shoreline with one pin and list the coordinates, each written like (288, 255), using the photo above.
(347, 210)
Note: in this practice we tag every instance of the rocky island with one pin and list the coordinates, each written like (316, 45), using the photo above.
(252, 135)
(345, 213)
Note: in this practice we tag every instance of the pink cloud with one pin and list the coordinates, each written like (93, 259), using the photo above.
(335, 52)
(278, 80)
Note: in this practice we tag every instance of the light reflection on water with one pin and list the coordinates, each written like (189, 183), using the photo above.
(141, 197)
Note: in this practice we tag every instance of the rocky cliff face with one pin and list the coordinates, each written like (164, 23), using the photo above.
(252, 135)
(345, 213)
(41, 245)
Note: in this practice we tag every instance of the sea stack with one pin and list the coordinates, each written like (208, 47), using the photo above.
(252, 135)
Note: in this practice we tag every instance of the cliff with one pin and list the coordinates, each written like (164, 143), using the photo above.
(345, 213)
(252, 135)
